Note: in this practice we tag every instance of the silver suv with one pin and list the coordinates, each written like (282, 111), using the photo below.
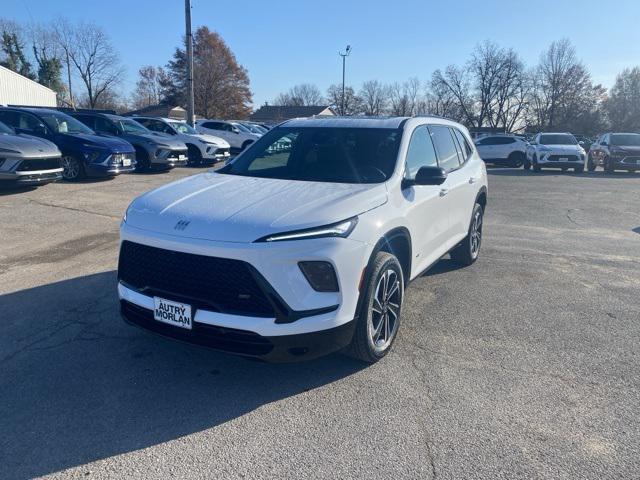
(27, 160)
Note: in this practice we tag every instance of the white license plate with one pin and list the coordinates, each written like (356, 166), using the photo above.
(182, 157)
(126, 162)
(173, 313)
(563, 159)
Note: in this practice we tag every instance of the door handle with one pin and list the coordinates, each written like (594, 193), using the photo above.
(444, 191)
(472, 180)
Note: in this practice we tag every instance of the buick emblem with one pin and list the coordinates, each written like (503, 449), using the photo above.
(181, 225)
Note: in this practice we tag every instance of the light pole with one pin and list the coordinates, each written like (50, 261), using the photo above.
(187, 18)
(344, 59)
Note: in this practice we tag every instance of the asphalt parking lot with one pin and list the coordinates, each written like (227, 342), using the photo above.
(525, 365)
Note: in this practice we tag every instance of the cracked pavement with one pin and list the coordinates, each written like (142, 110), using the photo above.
(525, 365)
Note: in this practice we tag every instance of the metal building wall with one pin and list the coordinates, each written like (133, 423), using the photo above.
(18, 90)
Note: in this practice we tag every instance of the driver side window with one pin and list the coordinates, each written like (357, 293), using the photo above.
(420, 152)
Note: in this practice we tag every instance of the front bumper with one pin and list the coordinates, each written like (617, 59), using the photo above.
(284, 348)
(38, 177)
(98, 170)
(306, 311)
(169, 158)
(560, 160)
(211, 152)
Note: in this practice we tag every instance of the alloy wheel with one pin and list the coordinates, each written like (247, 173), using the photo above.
(476, 234)
(385, 314)
(71, 168)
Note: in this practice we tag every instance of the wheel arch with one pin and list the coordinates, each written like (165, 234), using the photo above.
(398, 243)
(481, 197)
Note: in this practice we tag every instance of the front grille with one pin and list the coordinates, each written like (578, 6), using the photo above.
(632, 160)
(35, 164)
(175, 155)
(227, 339)
(216, 284)
(222, 151)
(566, 158)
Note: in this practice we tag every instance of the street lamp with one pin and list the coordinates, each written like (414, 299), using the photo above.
(344, 58)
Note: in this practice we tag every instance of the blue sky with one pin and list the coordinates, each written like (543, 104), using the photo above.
(285, 42)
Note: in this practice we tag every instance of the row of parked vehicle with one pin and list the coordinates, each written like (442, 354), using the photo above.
(611, 151)
(42, 145)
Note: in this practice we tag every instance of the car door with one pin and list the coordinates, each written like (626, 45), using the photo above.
(504, 147)
(486, 148)
(454, 189)
(216, 128)
(425, 208)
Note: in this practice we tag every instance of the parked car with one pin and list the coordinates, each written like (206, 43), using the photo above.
(506, 150)
(84, 153)
(27, 160)
(584, 141)
(615, 151)
(251, 127)
(239, 138)
(201, 147)
(555, 150)
(314, 253)
(154, 151)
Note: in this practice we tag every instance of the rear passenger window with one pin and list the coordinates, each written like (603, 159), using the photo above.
(420, 152)
(464, 144)
(445, 147)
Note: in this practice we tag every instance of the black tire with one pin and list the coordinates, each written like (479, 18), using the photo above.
(194, 154)
(527, 164)
(142, 160)
(608, 165)
(467, 251)
(591, 165)
(534, 160)
(373, 312)
(516, 159)
(579, 169)
(73, 169)
(246, 144)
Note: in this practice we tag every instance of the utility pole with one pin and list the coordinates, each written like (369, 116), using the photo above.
(73, 105)
(344, 58)
(187, 16)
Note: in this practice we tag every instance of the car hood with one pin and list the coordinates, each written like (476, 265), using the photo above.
(220, 142)
(231, 208)
(627, 148)
(100, 141)
(161, 139)
(27, 146)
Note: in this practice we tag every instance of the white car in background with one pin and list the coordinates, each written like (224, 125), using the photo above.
(201, 147)
(507, 150)
(238, 136)
(555, 150)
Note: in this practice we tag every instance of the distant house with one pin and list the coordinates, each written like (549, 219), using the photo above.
(18, 90)
(272, 114)
(161, 110)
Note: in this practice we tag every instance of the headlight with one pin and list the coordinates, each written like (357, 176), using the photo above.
(126, 212)
(341, 229)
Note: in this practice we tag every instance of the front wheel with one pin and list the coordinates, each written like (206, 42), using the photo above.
(72, 169)
(527, 164)
(467, 251)
(608, 165)
(379, 316)
(591, 165)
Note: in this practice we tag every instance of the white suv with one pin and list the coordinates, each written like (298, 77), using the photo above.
(504, 150)
(292, 253)
(238, 136)
(555, 150)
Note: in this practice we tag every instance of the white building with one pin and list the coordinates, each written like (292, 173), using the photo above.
(18, 90)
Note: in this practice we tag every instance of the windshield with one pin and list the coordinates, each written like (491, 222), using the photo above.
(62, 123)
(557, 139)
(340, 155)
(184, 128)
(627, 139)
(5, 130)
(131, 126)
(241, 127)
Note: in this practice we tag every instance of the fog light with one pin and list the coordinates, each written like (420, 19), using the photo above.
(320, 275)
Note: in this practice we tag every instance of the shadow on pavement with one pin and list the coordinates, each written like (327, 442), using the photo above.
(77, 384)
(15, 189)
(444, 265)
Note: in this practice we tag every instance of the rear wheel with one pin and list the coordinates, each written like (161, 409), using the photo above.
(527, 164)
(72, 168)
(591, 165)
(579, 169)
(516, 159)
(536, 167)
(379, 316)
(142, 160)
(468, 250)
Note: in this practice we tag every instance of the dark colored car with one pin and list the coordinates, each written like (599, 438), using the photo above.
(157, 151)
(84, 153)
(615, 151)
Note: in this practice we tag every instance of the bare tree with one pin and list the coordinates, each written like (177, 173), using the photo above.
(89, 52)
(623, 105)
(456, 83)
(352, 103)
(305, 94)
(375, 97)
(149, 86)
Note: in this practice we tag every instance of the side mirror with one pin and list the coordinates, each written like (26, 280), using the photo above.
(581, 143)
(427, 176)
(236, 130)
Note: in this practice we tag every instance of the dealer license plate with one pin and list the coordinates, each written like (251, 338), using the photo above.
(173, 313)
(126, 162)
(563, 159)
(182, 157)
